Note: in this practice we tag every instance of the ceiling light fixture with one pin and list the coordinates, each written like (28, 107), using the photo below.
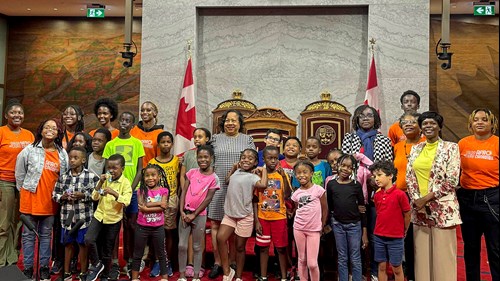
(29, 9)
(55, 9)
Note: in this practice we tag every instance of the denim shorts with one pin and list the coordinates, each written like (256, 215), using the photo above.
(389, 249)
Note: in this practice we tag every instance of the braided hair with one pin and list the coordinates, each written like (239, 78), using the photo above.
(162, 183)
(355, 165)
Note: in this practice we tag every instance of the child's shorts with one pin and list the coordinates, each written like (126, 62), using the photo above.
(242, 226)
(79, 237)
(389, 249)
(133, 207)
(275, 231)
(170, 214)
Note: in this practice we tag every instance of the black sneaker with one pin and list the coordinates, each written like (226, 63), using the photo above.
(73, 266)
(67, 276)
(216, 271)
(44, 273)
(56, 268)
(82, 276)
(28, 272)
(114, 273)
(94, 272)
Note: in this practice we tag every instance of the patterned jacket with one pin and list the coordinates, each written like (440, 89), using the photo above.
(443, 180)
(382, 148)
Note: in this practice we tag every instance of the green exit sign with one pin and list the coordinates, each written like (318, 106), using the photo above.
(484, 10)
(95, 13)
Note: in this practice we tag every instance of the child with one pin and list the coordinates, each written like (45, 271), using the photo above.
(272, 138)
(270, 213)
(73, 191)
(81, 139)
(132, 150)
(152, 198)
(393, 219)
(201, 136)
(198, 190)
(310, 217)
(106, 111)
(99, 141)
(291, 151)
(321, 169)
(113, 193)
(345, 197)
(332, 157)
(238, 218)
(170, 164)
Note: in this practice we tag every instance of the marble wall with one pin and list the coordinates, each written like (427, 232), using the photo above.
(284, 53)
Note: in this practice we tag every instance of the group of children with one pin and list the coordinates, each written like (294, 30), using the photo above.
(272, 192)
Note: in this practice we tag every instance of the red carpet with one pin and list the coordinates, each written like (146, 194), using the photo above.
(247, 275)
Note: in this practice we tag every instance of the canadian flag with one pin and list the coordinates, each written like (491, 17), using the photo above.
(372, 89)
(186, 117)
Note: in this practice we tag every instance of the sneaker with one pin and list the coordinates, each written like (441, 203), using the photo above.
(170, 272)
(181, 279)
(143, 265)
(73, 266)
(196, 279)
(230, 276)
(155, 270)
(67, 276)
(202, 272)
(28, 272)
(114, 272)
(373, 278)
(239, 279)
(189, 271)
(125, 269)
(260, 278)
(216, 271)
(44, 273)
(56, 268)
(233, 266)
(94, 272)
(82, 276)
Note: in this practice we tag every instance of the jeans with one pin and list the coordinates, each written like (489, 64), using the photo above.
(478, 220)
(348, 241)
(43, 224)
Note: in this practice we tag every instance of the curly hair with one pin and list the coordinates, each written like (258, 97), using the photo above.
(489, 115)
(110, 104)
(355, 118)
(387, 167)
(224, 117)
(57, 141)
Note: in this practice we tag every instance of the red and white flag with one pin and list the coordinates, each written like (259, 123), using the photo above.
(186, 117)
(372, 89)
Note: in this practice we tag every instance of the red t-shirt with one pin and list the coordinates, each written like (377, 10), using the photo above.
(390, 205)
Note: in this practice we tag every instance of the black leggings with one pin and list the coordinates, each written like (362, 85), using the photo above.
(157, 236)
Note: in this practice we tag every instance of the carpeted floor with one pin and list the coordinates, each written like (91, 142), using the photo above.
(247, 275)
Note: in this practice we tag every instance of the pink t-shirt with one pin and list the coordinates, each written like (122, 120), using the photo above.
(152, 219)
(308, 214)
(199, 184)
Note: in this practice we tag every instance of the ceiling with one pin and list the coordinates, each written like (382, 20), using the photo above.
(115, 8)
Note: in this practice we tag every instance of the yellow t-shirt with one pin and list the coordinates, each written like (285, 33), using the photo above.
(423, 165)
(109, 210)
(171, 169)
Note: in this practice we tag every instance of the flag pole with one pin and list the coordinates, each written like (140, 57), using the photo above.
(372, 45)
(189, 53)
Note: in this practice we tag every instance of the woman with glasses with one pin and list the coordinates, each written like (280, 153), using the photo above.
(366, 139)
(479, 195)
(228, 146)
(432, 176)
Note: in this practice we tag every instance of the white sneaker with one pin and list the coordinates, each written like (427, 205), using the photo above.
(373, 278)
(239, 279)
(230, 276)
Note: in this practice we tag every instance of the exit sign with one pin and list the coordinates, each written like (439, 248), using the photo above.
(95, 13)
(484, 10)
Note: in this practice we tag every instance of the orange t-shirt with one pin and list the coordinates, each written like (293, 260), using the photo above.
(479, 162)
(401, 152)
(114, 133)
(10, 145)
(70, 136)
(149, 143)
(40, 203)
(395, 133)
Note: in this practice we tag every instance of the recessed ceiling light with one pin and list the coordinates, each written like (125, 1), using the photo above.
(55, 9)
(29, 9)
(81, 9)
(109, 9)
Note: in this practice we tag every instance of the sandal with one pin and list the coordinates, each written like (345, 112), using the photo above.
(189, 271)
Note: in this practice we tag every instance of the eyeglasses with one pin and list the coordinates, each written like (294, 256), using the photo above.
(50, 128)
(409, 122)
(272, 139)
(231, 121)
(367, 116)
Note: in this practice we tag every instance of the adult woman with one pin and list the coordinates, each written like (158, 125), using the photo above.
(367, 140)
(227, 146)
(38, 167)
(147, 130)
(72, 119)
(13, 139)
(432, 176)
(478, 197)
(412, 135)
(106, 111)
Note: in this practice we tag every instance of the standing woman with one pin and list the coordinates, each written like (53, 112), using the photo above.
(38, 167)
(228, 146)
(478, 197)
(13, 139)
(432, 177)
(72, 120)
(147, 131)
(106, 111)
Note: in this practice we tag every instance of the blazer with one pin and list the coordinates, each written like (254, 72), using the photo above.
(382, 148)
(443, 180)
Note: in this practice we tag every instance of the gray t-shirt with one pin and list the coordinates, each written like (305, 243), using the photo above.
(190, 161)
(239, 194)
(96, 166)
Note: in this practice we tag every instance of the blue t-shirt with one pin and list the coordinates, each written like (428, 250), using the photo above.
(321, 171)
(261, 158)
